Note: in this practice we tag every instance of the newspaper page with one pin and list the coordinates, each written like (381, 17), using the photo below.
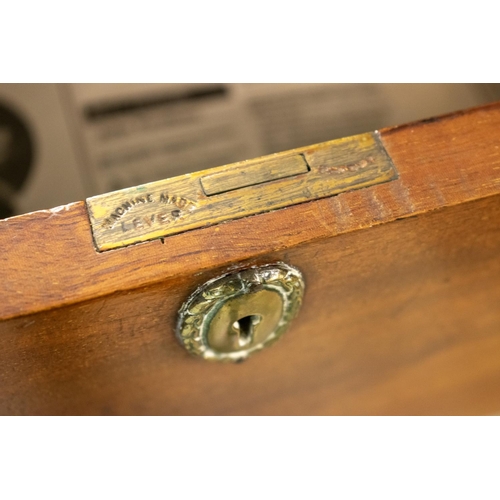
(87, 139)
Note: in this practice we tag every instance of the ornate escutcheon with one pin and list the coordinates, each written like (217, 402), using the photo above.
(231, 317)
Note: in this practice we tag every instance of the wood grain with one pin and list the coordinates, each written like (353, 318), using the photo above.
(400, 314)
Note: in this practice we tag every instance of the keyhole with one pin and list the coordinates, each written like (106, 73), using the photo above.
(245, 327)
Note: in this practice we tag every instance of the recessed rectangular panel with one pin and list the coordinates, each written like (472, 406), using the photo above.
(253, 172)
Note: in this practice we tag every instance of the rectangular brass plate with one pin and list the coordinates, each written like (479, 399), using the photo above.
(253, 173)
(190, 201)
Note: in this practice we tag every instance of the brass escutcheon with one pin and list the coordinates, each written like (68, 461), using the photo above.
(233, 316)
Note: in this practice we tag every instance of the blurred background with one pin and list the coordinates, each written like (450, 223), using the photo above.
(61, 143)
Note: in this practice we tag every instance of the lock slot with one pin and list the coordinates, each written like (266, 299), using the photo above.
(253, 173)
(245, 327)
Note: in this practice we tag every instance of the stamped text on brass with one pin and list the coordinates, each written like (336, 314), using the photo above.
(190, 201)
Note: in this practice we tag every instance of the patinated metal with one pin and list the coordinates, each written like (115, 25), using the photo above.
(208, 197)
(233, 316)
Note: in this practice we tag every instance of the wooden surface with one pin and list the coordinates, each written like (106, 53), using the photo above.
(400, 315)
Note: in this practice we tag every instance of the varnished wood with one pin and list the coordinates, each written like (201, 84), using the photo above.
(400, 314)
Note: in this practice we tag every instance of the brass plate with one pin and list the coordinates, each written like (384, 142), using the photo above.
(205, 198)
(270, 295)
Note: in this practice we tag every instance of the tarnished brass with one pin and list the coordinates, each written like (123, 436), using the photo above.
(231, 317)
(246, 188)
(253, 174)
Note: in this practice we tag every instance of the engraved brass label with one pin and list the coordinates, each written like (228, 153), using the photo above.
(205, 198)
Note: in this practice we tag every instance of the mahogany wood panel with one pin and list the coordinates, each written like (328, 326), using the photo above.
(401, 313)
